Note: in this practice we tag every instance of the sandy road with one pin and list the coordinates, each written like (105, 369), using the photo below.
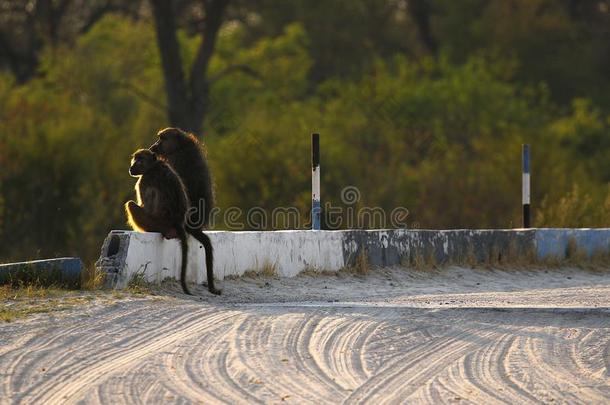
(456, 336)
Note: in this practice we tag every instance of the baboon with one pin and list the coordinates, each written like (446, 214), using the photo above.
(185, 155)
(162, 202)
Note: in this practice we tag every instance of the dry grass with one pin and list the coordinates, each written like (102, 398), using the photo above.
(512, 256)
(315, 271)
(20, 302)
(266, 269)
(28, 273)
(469, 258)
(575, 256)
(28, 296)
(247, 274)
(600, 260)
(93, 278)
(138, 284)
(22, 299)
(578, 257)
(418, 260)
(8, 292)
(361, 266)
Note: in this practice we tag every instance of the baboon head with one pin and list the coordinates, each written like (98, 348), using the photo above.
(170, 141)
(141, 161)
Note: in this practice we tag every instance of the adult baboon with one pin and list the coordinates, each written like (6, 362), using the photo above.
(185, 154)
(162, 202)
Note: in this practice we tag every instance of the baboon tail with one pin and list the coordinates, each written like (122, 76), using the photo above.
(209, 258)
(185, 251)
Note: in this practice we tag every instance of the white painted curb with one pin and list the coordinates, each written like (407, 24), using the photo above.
(126, 254)
(156, 258)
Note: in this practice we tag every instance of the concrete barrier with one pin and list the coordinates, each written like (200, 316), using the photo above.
(64, 271)
(125, 253)
(557, 242)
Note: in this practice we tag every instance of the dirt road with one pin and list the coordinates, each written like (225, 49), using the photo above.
(456, 336)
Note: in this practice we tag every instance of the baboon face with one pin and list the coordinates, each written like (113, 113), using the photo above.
(170, 140)
(141, 161)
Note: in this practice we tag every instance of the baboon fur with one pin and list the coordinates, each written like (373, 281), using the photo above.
(162, 202)
(185, 155)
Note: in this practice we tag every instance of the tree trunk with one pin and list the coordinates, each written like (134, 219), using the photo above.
(187, 102)
(421, 11)
(171, 63)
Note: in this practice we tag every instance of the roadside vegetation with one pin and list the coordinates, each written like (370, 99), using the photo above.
(433, 123)
(24, 301)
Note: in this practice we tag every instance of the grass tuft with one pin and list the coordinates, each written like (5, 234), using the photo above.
(93, 278)
(20, 302)
(315, 271)
(419, 260)
(138, 283)
(266, 269)
(361, 266)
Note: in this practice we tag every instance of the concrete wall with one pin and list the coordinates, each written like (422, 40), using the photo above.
(126, 253)
(555, 242)
(62, 271)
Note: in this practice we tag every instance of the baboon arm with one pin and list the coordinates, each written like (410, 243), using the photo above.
(140, 220)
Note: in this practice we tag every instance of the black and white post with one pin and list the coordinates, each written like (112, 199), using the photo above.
(525, 193)
(316, 209)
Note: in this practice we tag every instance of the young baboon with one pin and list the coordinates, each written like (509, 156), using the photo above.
(185, 155)
(162, 202)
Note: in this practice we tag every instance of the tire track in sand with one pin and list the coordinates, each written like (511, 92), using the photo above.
(180, 351)
(78, 378)
(485, 370)
(404, 375)
(200, 368)
(49, 349)
(338, 344)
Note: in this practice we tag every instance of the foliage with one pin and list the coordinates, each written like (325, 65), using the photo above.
(585, 133)
(66, 140)
(439, 135)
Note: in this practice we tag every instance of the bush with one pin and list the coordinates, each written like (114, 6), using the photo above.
(439, 138)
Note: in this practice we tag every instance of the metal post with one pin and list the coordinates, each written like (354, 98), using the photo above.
(525, 194)
(316, 209)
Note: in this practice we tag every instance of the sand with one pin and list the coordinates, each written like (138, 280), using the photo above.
(451, 336)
